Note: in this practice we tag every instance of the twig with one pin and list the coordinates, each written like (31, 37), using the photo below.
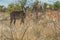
(11, 33)
(24, 33)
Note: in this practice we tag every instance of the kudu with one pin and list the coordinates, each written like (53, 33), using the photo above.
(17, 15)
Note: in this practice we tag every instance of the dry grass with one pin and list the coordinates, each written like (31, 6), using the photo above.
(46, 28)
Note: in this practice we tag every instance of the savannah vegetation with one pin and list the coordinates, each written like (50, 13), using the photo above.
(42, 22)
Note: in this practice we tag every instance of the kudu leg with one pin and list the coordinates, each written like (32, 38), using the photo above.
(11, 20)
(14, 21)
(22, 20)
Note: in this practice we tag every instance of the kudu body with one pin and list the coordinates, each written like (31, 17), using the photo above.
(17, 15)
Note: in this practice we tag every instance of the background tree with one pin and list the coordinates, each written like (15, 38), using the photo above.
(45, 5)
(36, 8)
(36, 5)
(22, 3)
(57, 5)
(18, 6)
(51, 7)
(1, 7)
(10, 7)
